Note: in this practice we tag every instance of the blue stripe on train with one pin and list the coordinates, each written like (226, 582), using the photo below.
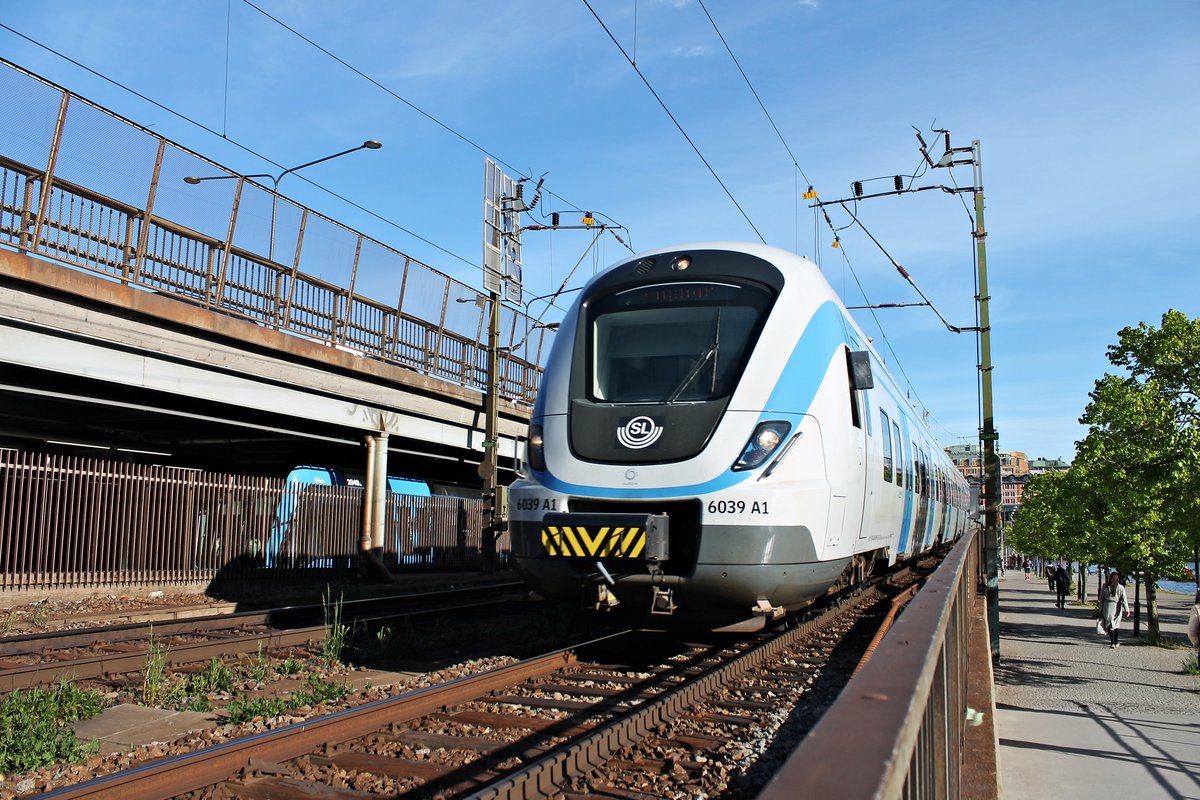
(793, 394)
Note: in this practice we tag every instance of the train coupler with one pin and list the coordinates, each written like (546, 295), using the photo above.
(662, 600)
(768, 612)
(602, 597)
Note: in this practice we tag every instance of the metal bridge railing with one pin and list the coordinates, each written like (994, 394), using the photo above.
(68, 522)
(92, 190)
(899, 726)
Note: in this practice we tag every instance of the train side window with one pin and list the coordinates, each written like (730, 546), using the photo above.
(899, 455)
(887, 445)
(855, 413)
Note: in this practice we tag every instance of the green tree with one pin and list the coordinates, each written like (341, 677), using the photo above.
(1141, 453)
(1058, 518)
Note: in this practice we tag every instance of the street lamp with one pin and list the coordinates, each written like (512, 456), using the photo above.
(370, 144)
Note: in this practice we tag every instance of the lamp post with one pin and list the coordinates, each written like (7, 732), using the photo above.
(370, 144)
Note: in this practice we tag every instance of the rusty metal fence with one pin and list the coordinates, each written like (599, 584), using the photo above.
(92, 190)
(68, 522)
(898, 728)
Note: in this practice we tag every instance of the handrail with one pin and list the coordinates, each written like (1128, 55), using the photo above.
(83, 227)
(903, 716)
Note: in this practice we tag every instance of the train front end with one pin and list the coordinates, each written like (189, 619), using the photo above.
(666, 472)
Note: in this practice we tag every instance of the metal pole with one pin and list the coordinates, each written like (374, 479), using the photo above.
(991, 464)
(490, 463)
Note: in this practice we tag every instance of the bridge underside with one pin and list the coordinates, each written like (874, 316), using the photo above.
(103, 370)
(54, 413)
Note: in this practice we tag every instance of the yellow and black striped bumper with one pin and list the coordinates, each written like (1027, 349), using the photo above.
(629, 537)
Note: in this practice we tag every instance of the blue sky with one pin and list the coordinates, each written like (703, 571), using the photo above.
(1087, 114)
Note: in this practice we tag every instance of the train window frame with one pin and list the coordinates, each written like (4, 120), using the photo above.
(885, 424)
(755, 297)
(899, 454)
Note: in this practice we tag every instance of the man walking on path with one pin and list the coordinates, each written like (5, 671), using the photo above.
(1062, 580)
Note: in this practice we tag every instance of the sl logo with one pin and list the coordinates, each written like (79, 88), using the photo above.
(639, 432)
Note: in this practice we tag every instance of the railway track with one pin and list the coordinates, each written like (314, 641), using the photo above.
(108, 651)
(630, 715)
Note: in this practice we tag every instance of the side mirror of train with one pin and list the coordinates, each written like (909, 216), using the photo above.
(860, 370)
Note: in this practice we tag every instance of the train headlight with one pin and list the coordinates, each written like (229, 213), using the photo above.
(535, 450)
(762, 444)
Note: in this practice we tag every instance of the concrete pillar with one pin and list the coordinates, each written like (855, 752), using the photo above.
(364, 540)
(379, 494)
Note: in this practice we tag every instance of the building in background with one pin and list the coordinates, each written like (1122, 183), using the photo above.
(1038, 466)
(970, 463)
(1015, 471)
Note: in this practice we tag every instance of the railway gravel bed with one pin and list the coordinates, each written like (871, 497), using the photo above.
(81, 653)
(634, 720)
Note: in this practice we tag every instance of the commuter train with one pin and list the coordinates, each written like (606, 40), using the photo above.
(715, 441)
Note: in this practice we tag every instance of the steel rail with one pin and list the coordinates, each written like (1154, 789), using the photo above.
(122, 661)
(105, 634)
(178, 774)
(545, 777)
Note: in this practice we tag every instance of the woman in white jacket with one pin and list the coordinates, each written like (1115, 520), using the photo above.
(1113, 605)
(1194, 630)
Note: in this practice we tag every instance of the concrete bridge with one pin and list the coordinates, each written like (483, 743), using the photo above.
(91, 365)
(195, 324)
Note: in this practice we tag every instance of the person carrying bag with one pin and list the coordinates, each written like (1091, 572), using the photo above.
(1113, 605)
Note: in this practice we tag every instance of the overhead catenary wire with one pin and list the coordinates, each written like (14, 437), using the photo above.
(663, 104)
(770, 119)
(243, 147)
(308, 40)
(904, 274)
(250, 150)
(754, 92)
(883, 333)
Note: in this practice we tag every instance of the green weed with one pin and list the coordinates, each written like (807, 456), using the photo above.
(318, 691)
(154, 688)
(260, 667)
(192, 694)
(314, 692)
(243, 709)
(290, 666)
(33, 727)
(336, 632)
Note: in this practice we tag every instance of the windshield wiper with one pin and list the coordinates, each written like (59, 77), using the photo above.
(691, 376)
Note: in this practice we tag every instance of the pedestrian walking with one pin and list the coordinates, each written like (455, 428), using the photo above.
(1028, 568)
(1113, 604)
(1193, 630)
(1062, 582)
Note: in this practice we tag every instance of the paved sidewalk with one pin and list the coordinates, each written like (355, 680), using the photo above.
(1077, 717)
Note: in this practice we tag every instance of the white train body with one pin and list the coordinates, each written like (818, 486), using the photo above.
(698, 448)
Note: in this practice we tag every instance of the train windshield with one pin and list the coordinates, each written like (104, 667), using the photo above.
(673, 342)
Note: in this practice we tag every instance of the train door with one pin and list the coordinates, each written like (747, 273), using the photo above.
(922, 499)
(858, 485)
(904, 461)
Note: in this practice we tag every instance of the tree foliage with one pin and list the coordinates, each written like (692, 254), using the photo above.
(1132, 497)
